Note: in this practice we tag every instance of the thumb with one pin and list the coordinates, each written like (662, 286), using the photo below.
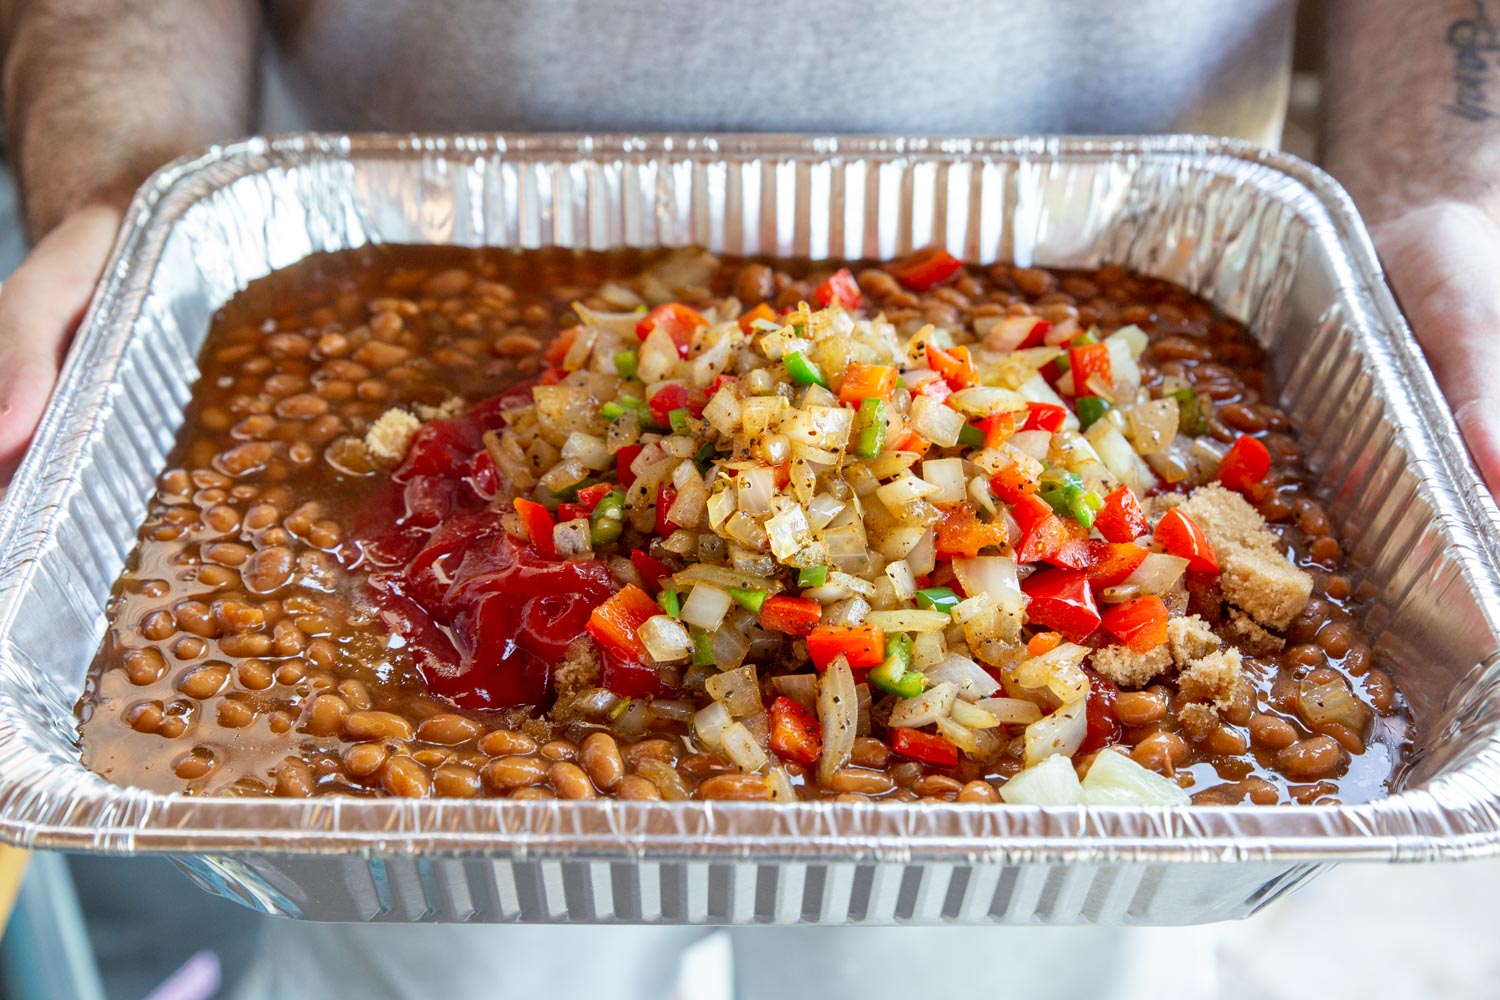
(1440, 260)
(40, 306)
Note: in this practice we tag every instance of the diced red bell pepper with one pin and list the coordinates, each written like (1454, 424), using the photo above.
(792, 615)
(1043, 643)
(1085, 363)
(863, 645)
(1121, 520)
(1141, 623)
(561, 344)
(1180, 536)
(1060, 599)
(1045, 537)
(762, 311)
(614, 623)
(863, 382)
(796, 735)
(926, 268)
(928, 748)
(538, 522)
(915, 442)
(623, 459)
(1103, 724)
(1111, 563)
(1013, 482)
(998, 428)
(652, 570)
(719, 382)
(1045, 417)
(955, 365)
(666, 399)
(841, 288)
(678, 320)
(590, 496)
(960, 534)
(1245, 465)
(552, 375)
(571, 512)
(665, 497)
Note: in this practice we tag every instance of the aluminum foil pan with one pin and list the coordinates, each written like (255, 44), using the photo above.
(1267, 237)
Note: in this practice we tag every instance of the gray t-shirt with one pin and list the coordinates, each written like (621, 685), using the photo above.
(914, 66)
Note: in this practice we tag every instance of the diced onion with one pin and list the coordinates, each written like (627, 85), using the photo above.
(1116, 780)
(1005, 333)
(1158, 573)
(909, 620)
(958, 734)
(1051, 782)
(723, 576)
(821, 510)
(738, 690)
(1120, 458)
(946, 476)
(572, 539)
(968, 714)
(926, 708)
(995, 576)
(969, 679)
(801, 688)
(709, 724)
(723, 412)
(1061, 733)
(730, 647)
(665, 639)
(1032, 443)
(1059, 671)
(780, 786)
(589, 450)
(934, 421)
(706, 606)
(1332, 702)
(740, 747)
(986, 400)
(838, 713)
(927, 648)
(903, 581)
(1153, 425)
(1010, 711)
(755, 487)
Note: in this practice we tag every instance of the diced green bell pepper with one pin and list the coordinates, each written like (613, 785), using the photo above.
(803, 370)
(870, 425)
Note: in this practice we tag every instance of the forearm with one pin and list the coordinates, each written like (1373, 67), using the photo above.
(1412, 103)
(98, 93)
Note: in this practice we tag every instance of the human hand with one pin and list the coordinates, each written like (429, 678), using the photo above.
(40, 306)
(1444, 262)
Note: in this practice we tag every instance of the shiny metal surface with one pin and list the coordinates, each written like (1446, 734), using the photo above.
(1265, 236)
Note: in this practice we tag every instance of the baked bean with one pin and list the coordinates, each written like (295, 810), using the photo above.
(238, 616)
(735, 787)
(871, 753)
(144, 666)
(324, 715)
(195, 764)
(363, 759)
(532, 793)
(517, 345)
(195, 617)
(1226, 741)
(505, 743)
(379, 356)
(1310, 759)
(245, 644)
(1139, 708)
(448, 729)
(1162, 752)
(405, 778)
(601, 760)
(633, 787)
(294, 779)
(665, 778)
(205, 681)
(234, 714)
(860, 781)
(655, 749)
(978, 791)
(906, 773)
(1272, 733)
(369, 725)
(508, 773)
(1380, 691)
(457, 781)
(559, 750)
(430, 757)
(569, 781)
(936, 785)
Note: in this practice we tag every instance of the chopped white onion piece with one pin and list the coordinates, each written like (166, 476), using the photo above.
(755, 487)
(968, 678)
(935, 421)
(1051, 782)
(665, 639)
(970, 715)
(1062, 733)
(927, 648)
(946, 476)
(986, 400)
(923, 555)
(590, 450)
(821, 510)
(740, 747)
(903, 581)
(1158, 573)
(710, 722)
(1116, 780)
(1032, 443)
(1010, 711)
(958, 734)
(706, 606)
(913, 620)
(738, 690)
(838, 713)
(723, 412)
(572, 539)
(926, 708)
(801, 688)
(1005, 333)
(1120, 458)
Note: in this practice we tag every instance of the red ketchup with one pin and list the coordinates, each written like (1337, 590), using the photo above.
(484, 618)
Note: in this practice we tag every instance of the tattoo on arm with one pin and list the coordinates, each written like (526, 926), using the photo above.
(1475, 42)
